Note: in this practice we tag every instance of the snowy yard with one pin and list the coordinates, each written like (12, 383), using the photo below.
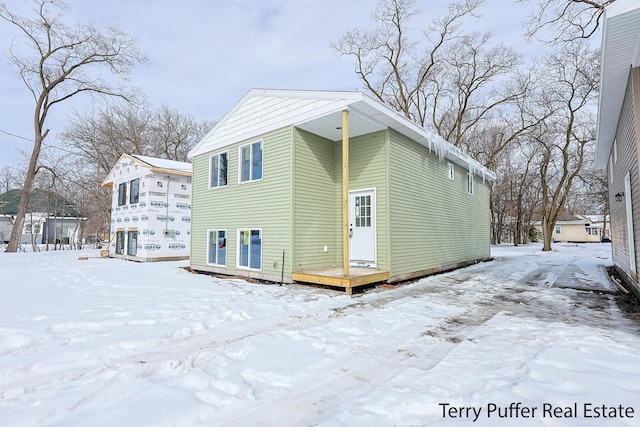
(522, 340)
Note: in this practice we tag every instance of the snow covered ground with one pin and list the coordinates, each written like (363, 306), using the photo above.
(523, 340)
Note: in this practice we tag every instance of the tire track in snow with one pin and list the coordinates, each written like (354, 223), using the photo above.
(306, 406)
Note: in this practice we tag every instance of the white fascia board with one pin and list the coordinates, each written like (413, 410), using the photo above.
(620, 50)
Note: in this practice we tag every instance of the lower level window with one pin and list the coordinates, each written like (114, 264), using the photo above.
(120, 242)
(250, 249)
(132, 243)
(217, 247)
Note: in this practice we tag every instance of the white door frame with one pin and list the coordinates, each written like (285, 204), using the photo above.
(374, 214)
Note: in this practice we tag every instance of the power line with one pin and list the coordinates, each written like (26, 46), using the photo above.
(16, 136)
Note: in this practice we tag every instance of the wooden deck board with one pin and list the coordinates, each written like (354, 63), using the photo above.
(335, 277)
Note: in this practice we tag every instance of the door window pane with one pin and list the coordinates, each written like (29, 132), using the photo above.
(363, 211)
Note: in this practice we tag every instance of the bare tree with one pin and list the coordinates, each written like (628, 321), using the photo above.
(570, 92)
(566, 20)
(443, 79)
(8, 179)
(96, 139)
(173, 134)
(55, 64)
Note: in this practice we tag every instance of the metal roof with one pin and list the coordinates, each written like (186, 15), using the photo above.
(620, 52)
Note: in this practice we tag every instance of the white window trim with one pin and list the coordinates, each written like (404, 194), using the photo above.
(240, 181)
(210, 160)
(470, 183)
(209, 247)
(451, 171)
(249, 229)
(557, 229)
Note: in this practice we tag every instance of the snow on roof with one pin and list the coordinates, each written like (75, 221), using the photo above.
(164, 163)
(320, 112)
(154, 163)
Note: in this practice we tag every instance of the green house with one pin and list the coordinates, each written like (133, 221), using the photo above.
(333, 188)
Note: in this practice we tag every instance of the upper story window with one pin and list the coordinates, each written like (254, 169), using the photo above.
(218, 170)
(122, 194)
(251, 162)
(470, 183)
(451, 170)
(134, 188)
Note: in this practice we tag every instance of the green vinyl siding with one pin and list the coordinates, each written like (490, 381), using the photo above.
(367, 170)
(434, 221)
(264, 204)
(314, 202)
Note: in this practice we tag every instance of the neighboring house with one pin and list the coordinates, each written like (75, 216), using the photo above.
(6, 225)
(618, 133)
(269, 189)
(151, 208)
(597, 225)
(50, 219)
(574, 229)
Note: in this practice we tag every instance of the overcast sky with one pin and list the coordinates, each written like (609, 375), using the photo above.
(204, 55)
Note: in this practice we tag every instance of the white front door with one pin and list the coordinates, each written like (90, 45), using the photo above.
(362, 227)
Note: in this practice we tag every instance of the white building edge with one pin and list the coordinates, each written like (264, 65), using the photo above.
(150, 209)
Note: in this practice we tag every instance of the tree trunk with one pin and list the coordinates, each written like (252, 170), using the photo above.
(14, 240)
(547, 232)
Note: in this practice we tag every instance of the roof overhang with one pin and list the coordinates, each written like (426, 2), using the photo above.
(366, 115)
(154, 164)
(620, 52)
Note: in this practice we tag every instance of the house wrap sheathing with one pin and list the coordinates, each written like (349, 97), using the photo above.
(151, 209)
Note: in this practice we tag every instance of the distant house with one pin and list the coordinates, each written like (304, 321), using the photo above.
(151, 208)
(333, 188)
(575, 229)
(50, 219)
(618, 134)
